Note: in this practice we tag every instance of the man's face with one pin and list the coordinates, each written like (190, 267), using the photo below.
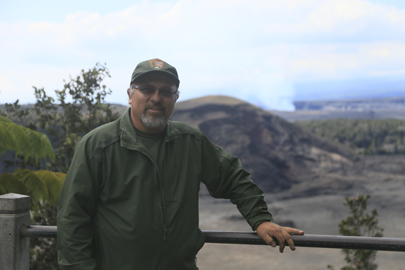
(152, 103)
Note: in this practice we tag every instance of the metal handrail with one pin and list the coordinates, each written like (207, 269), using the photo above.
(39, 231)
(251, 238)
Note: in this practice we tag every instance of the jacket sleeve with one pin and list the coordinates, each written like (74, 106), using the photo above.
(225, 177)
(76, 207)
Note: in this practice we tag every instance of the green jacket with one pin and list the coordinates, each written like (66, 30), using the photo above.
(116, 212)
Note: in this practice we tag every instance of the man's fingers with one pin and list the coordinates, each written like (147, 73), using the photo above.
(292, 230)
(281, 243)
(281, 239)
(289, 240)
(268, 239)
(269, 232)
(285, 237)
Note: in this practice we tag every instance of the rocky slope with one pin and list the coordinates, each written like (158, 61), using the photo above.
(307, 179)
(277, 153)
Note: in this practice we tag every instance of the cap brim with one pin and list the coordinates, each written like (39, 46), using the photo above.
(168, 74)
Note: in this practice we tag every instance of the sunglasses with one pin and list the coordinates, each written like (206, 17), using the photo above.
(148, 90)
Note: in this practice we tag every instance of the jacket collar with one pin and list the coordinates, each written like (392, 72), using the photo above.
(128, 135)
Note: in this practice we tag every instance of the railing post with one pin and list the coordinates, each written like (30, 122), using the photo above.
(14, 249)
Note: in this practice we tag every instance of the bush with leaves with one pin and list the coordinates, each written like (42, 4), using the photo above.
(359, 224)
(23, 141)
(80, 108)
(42, 186)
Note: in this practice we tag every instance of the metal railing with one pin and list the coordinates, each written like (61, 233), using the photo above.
(251, 238)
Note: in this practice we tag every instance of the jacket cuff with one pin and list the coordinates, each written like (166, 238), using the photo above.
(257, 220)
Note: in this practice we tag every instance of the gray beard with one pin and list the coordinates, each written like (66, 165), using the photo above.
(151, 122)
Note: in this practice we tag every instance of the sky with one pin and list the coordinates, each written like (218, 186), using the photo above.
(269, 53)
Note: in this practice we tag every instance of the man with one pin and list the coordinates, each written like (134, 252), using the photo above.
(130, 198)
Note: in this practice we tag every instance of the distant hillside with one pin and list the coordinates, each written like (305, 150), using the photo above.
(324, 115)
(375, 104)
(367, 137)
(277, 153)
(381, 108)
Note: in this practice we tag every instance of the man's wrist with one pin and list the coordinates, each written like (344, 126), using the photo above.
(258, 223)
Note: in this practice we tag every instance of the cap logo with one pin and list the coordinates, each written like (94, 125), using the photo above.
(156, 64)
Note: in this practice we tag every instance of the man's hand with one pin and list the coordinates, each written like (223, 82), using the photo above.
(269, 230)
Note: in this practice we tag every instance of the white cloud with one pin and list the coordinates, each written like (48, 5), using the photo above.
(17, 83)
(346, 61)
(218, 46)
(5, 82)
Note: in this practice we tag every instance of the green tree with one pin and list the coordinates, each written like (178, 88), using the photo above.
(78, 108)
(359, 224)
(42, 186)
(82, 108)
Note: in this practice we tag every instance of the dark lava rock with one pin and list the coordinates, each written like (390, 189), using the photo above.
(278, 154)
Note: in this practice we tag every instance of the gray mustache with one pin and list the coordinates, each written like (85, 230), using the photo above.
(155, 107)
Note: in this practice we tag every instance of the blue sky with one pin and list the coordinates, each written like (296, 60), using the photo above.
(269, 53)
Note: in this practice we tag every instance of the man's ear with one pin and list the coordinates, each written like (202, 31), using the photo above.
(129, 96)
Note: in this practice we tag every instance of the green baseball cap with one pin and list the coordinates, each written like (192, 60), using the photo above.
(155, 65)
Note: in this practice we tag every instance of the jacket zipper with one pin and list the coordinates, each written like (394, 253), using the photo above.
(163, 211)
(163, 181)
(161, 197)
(160, 183)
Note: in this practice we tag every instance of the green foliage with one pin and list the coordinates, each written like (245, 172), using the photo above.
(9, 183)
(18, 113)
(41, 186)
(81, 108)
(367, 137)
(2, 190)
(44, 188)
(53, 182)
(359, 224)
(23, 141)
(5, 119)
(43, 212)
(36, 186)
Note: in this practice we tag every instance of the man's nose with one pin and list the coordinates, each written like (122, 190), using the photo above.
(156, 96)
